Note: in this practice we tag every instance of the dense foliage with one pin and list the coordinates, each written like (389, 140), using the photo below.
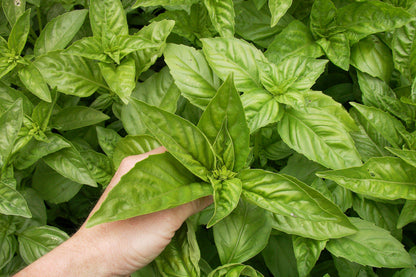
(298, 116)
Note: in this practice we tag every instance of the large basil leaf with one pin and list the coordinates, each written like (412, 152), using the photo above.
(295, 40)
(368, 247)
(70, 74)
(278, 8)
(34, 82)
(120, 78)
(222, 16)
(307, 252)
(12, 202)
(385, 178)
(279, 256)
(322, 18)
(52, 186)
(19, 33)
(226, 55)
(235, 270)
(226, 105)
(70, 164)
(226, 196)
(90, 48)
(132, 145)
(59, 32)
(409, 156)
(234, 235)
(182, 139)
(285, 195)
(108, 18)
(37, 241)
(165, 184)
(181, 256)
(407, 214)
(316, 135)
(77, 117)
(10, 124)
(192, 74)
(337, 49)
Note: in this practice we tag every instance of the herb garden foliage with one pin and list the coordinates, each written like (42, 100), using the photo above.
(297, 116)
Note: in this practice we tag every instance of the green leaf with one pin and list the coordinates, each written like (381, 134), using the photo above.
(99, 165)
(294, 41)
(278, 8)
(33, 80)
(182, 139)
(59, 32)
(192, 74)
(322, 18)
(226, 196)
(37, 208)
(42, 113)
(90, 48)
(148, 3)
(337, 49)
(10, 124)
(12, 202)
(158, 90)
(222, 16)
(383, 215)
(307, 252)
(361, 19)
(121, 46)
(77, 117)
(406, 272)
(108, 18)
(385, 178)
(385, 124)
(409, 156)
(226, 55)
(19, 32)
(407, 214)
(70, 74)
(181, 256)
(107, 139)
(372, 56)
(234, 235)
(35, 150)
(294, 73)
(261, 109)
(13, 10)
(52, 186)
(279, 256)
(368, 247)
(315, 134)
(133, 145)
(120, 78)
(166, 184)
(226, 105)
(8, 247)
(69, 163)
(235, 270)
(37, 241)
(285, 195)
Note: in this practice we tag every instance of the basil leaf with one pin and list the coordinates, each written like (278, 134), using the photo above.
(34, 82)
(226, 55)
(182, 139)
(385, 178)
(192, 74)
(90, 48)
(316, 135)
(368, 247)
(307, 252)
(285, 195)
(168, 184)
(37, 209)
(147, 3)
(37, 241)
(77, 117)
(8, 247)
(322, 18)
(99, 165)
(12, 202)
(132, 145)
(236, 270)
(120, 78)
(226, 196)
(10, 124)
(278, 8)
(181, 256)
(19, 33)
(227, 105)
(66, 25)
(337, 49)
(234, 234)
(70, 74)
(107, 139)
(407, 214)
(108, 18)
(13, 10)
(409, 156)
(279, 256)
(222, 16)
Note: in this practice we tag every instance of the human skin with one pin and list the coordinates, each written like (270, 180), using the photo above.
(116, 248)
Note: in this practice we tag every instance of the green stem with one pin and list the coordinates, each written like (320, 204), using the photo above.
(39, 16)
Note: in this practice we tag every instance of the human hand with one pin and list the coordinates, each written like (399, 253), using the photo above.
(116, 248)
